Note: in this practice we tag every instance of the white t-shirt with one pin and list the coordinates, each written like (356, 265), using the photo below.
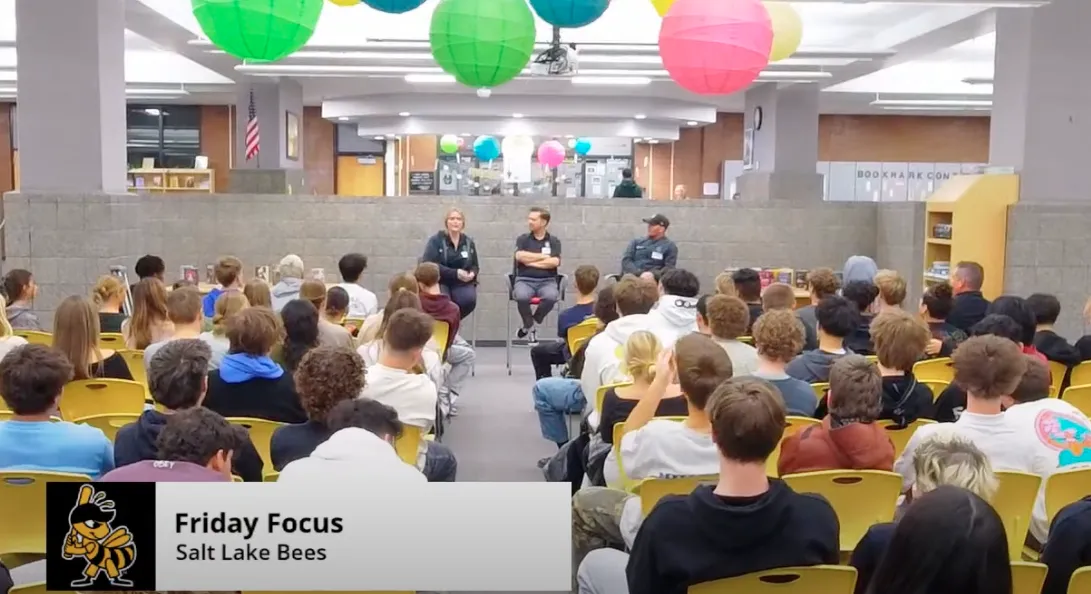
(412, 395)
(9, 344)
(362, 303)
(744, 358)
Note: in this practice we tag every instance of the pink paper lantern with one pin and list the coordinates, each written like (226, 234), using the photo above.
(715, 47)
(551, 153)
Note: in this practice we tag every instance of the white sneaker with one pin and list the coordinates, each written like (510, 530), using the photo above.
(532, 337)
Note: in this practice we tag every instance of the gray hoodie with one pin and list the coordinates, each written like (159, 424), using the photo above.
(284, 291)
(859, 268)
(22, 318)
(814, 366)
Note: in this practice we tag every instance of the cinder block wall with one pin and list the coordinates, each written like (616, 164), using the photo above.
(69, 241)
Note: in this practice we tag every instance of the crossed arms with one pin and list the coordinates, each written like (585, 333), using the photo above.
(536, 260)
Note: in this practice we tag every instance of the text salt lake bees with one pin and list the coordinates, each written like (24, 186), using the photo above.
(246, 527)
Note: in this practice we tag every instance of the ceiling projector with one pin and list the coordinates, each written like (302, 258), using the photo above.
(557, 60)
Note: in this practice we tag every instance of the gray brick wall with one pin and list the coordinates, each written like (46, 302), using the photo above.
(900, 236)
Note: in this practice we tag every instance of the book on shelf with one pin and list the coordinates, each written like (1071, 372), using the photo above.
(801, 278)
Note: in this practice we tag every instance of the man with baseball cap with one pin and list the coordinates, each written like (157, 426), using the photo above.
(650, 255)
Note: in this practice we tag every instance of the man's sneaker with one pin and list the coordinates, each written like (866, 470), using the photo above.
(522, 333)
(532, 337)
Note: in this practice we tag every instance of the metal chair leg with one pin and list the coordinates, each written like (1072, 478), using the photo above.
(507, 337)
(473, 344)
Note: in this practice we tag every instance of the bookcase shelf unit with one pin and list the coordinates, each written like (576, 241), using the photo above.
(172, 180)
(976, 209)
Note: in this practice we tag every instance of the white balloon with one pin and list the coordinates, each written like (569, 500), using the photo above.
(519, 145)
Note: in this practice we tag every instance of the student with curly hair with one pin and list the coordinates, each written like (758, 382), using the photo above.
(778, 336)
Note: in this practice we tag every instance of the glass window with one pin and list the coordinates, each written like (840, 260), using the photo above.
(170, 134)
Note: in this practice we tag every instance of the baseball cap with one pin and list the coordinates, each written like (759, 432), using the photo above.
(658, 220)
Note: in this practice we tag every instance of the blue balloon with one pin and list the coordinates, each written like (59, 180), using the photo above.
(583, 146)
(569, 14)
(486, 148)
(393, 6)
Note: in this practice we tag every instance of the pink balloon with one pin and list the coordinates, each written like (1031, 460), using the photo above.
(551, 153)
(715, 47)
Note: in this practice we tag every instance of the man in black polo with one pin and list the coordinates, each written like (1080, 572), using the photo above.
(537, 258)
(650, 255)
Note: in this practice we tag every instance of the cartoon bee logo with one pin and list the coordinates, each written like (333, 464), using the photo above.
(90, 537)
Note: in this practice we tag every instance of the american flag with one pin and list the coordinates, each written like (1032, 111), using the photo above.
(253, 134)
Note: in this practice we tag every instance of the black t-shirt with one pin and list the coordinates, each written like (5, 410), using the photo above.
(111, 322)
(292, 442)
(548, 245)
(617, 410)
(112, 367)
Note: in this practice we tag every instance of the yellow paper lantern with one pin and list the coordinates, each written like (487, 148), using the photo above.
(662, 6)
(345, 2)
(787, 30)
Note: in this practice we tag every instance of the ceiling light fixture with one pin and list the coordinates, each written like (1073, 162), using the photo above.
(653, 141)
(517, 116)
(691, 123)
(342, 119)
(429, 78)
(611, 80)
(379, 137)
(640, 116)
(404, 114)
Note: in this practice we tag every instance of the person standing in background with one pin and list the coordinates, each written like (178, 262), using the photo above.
(456, 255)
(970, 305)
(650, 255)
(628, 188)
(679, 193)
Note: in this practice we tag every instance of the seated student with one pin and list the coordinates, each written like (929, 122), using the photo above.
(782, 296)
(1083, 344)
(1019, 310)
(337, 308)
(900, 340)
(1047, 309)
(970, 306)
(748, 287)
(109, 295)
(549, 353)
(655, 447)
(848, 438)
(329, 333)
(299, 319)
(414, 396)
(836, 319)
(8, 340)
(458, 353)
(291, 279)
(778, 336)
(821, 283)
(177, 380)
(149, 322)
(325, 377)
(862, 294)
(635, 297)
(892, 289)
(227, 305)
(360, 449)
(20, 289)
(149, 266)
(369, 331)
(258, 293)
(943, 459)
(1069, 545)
(362, 302)
(196, 445)
(228, 273)
(184, 312)
(430, 363)
(31, 380)
(746, 523)
(936, 304)
(76, 336)
(724, 285)
(724, 319)
(5, 579)
(675, 315)
(952, 401)
(249, 383)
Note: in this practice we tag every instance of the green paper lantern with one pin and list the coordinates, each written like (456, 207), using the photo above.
(482, 43)
(258, 30)
(449, 144)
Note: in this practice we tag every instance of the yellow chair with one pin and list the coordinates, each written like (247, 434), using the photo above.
(861, 498)
(793, 425)
(1014, 501)
(619, 432)
(651, 490)
(324, 592)
(873, 359)
(111, 340)
(36, 337)
(1078, 396)
(408, 444)
(581, 333)
(34, 588)
(1066, 487)
(236, 478)
(108, 424)
(1080, 375)
(261, 433)
(1057, 371)
(6, 414)
(938, 369)
(937, 387)
(22, 509)
(86, 398)
(819, 579)
(135, 360)
(1080, 582)
(900, 436)
(271, 477)
(600, 394)
(820, 389)
(747, 340)
(1027, 578)
(440, 332)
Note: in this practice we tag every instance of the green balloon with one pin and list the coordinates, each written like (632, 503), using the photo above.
(448, 143)
(258, 30)
(483, 43)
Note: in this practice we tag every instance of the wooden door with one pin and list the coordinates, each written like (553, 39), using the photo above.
(360, 175)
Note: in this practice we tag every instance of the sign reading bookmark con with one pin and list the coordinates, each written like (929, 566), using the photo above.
(348, 536)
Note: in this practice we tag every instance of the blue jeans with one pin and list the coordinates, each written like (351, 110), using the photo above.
(440, 465)
(554, 397)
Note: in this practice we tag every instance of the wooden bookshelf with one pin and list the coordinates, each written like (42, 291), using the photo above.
(172, 180)
(976, 209)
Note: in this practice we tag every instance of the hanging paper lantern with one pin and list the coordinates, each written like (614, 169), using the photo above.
(258, 30)
(394, 6)
(448, 143)
(569, 14)
(345, 2)
(662, 6)
(572, 143)
(517, 147)
(583, 146)
(482, 43)
(787, 30)
(551, 154)
(461, 141)
(486, 148)
(715, 47)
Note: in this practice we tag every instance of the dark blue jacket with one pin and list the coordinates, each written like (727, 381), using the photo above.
(452, 258)
(1069, 545)
(646, 254)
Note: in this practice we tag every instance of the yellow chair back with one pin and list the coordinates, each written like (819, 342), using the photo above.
(819, 579)
(619, 432)
(1080, 375)
(111, 340)
(1078, 396)
(747, 340)
(820, 389)
(135, 360)
(271, 477)
(600, 394)
(440, 332)
(236, 478)
(36, 337)
(1014, 501)
(873, 359)
(408, 444)
(22, 508)
(1057, 371)
(937, 387)
(1066, 487)
(651, 490)
(793, 425)
(90, 397)
(861, 498)
(1080, 582)
(581, 333)
(938, 369)
(108, 424)
(900, 436)
(6, 414)
(261, 433)
(1026, 577)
